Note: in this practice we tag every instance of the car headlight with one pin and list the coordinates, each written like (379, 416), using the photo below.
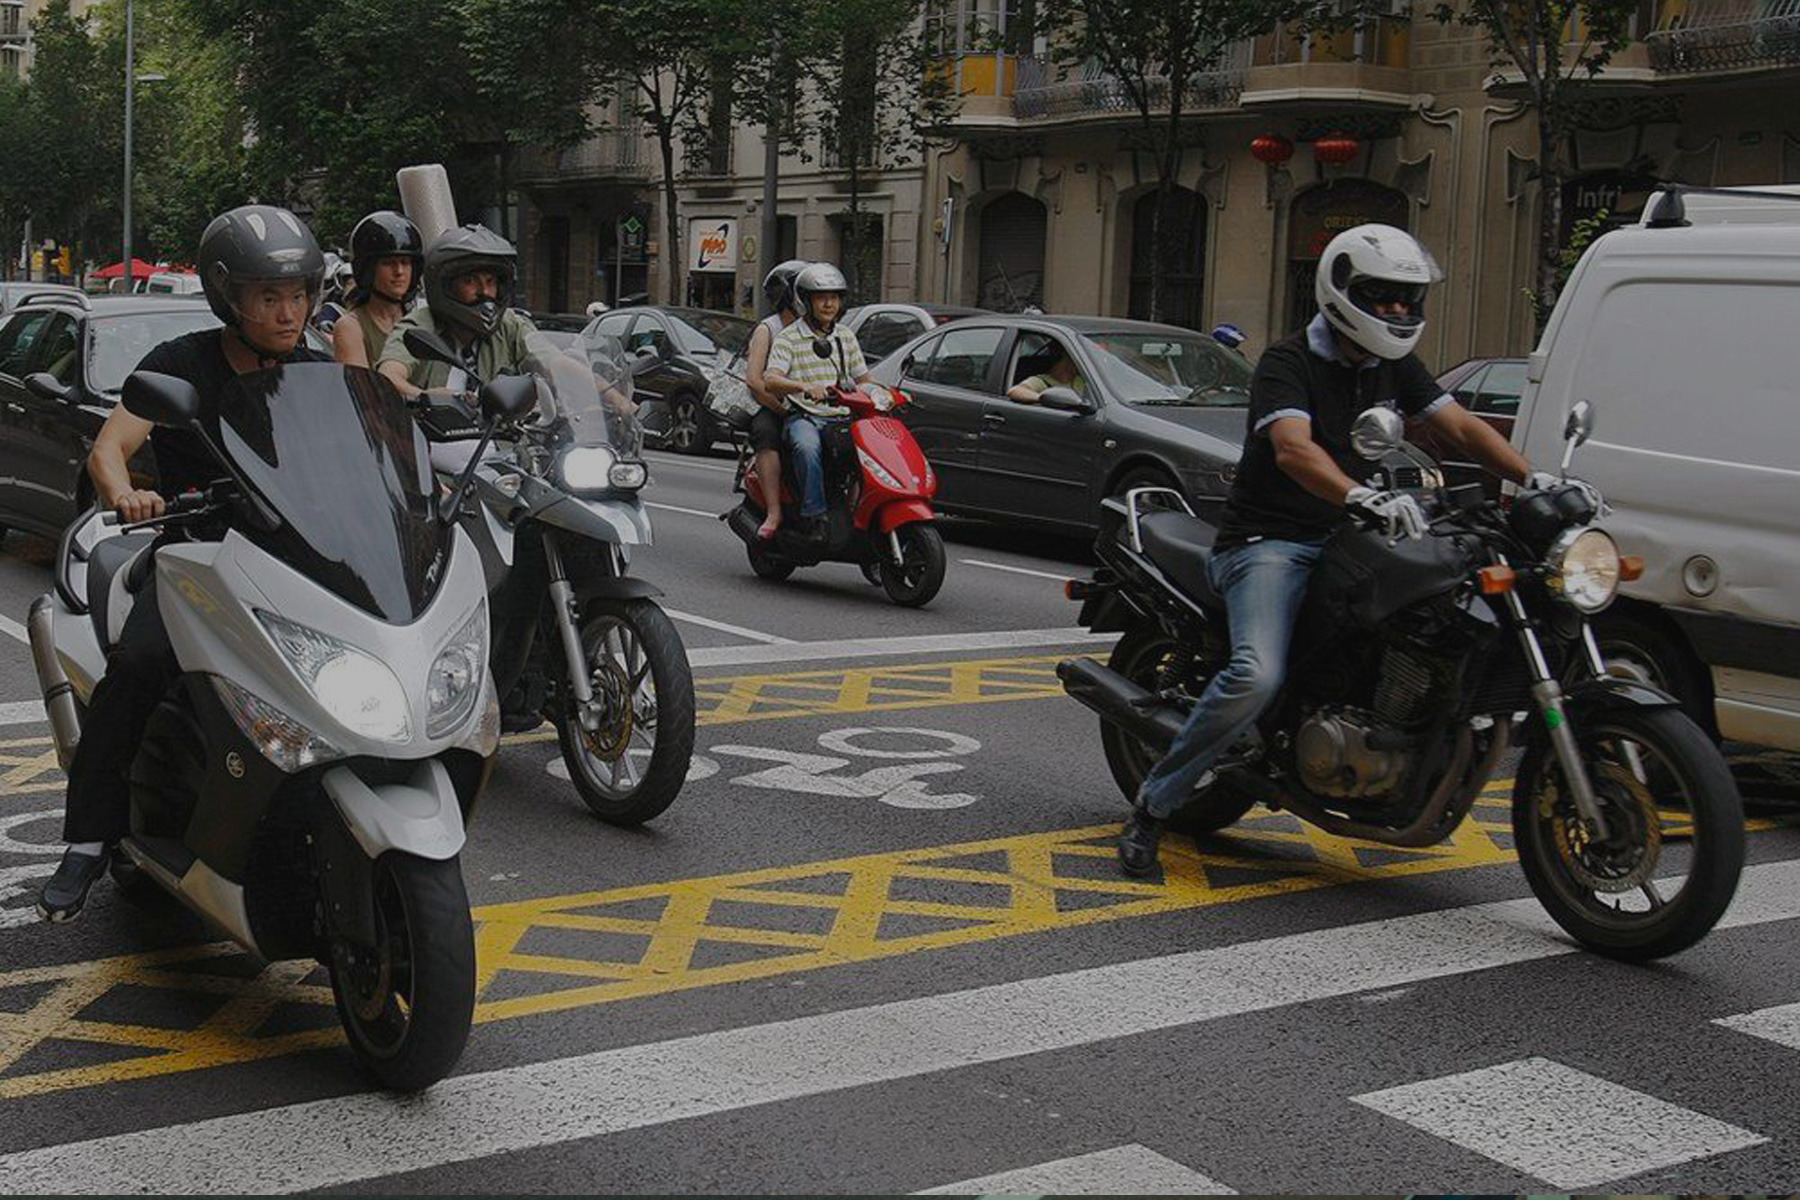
(880, 472)
(284, 741)
(457, 674)
(359, 690)
(1584, 568)
(598, 469)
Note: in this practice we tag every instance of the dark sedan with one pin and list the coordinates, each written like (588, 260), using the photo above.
(697, 346)
(62, 363)
(1159, 406)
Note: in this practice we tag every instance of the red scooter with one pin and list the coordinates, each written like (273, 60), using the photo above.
(878, 515)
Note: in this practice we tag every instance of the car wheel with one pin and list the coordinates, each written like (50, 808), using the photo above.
(687, 426)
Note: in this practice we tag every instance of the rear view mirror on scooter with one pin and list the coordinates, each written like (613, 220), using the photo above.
(161, 399)
(508, 396)
(425, 344)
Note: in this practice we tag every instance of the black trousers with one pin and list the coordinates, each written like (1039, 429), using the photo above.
(139, 671)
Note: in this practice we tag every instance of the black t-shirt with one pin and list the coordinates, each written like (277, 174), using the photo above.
(1291, 380)
(182, 460)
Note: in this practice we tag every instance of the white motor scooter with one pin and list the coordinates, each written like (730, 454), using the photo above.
(305, 782)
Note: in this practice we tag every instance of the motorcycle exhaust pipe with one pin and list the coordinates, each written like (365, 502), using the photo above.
(1150, 719)
(59, 694)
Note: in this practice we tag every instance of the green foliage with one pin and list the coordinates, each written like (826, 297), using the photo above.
(1581, 236)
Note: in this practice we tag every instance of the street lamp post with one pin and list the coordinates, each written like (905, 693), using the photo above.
(130, 100)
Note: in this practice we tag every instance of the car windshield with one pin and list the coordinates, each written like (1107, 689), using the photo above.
(116, 345)
(1170, 370)
(585, 391)
(336, 454)
(711, 333)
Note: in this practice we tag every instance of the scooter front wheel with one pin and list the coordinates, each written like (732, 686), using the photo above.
(914, 581)
(406, 1002)
(629, 754)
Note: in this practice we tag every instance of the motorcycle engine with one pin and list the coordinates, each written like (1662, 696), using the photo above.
(1335, 758)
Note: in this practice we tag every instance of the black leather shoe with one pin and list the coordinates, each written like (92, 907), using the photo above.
(66, 891)
(1138, 842)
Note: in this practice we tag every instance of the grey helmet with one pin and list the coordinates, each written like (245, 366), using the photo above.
(778, 284)
(455, 254)
(256, 243)
(817, 279)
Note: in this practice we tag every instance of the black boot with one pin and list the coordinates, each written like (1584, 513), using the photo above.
(1138, 842)
(66, 891)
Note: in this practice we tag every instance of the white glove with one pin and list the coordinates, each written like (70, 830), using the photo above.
(1538, 481)
(1398, 514)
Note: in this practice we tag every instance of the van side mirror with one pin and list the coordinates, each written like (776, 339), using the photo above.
(508, 396)
(425, 344)
(161, 399)
(1064, 399)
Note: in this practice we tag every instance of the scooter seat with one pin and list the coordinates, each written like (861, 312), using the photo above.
(1181, 548)
(108, 557)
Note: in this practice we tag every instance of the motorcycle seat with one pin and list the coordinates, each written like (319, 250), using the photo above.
(1181, 548)
(108, 557)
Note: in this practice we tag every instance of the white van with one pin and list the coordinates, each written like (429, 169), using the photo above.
(173, 283)
(1684, 333)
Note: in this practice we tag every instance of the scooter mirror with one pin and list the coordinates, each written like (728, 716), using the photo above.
(1580, 425)
(425, 344)
(1378, 431)
(161, 399)
(508, 396)
(1063, 399)
(821, 347)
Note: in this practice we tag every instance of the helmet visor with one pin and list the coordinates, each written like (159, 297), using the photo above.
(1390, 301)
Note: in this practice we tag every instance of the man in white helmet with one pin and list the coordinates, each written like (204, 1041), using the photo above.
(1298, 479)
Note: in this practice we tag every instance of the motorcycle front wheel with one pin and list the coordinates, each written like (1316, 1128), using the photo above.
(1666, 870)
(915, 580)
(629, 755)
(406, 1001)
(1146, 656)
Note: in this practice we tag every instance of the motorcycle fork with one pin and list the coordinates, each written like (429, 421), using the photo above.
(567, 614)
(1548, 694)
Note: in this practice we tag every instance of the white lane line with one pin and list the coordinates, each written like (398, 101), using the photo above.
(994, 566)
(13, 629)
(1564, 1126)
(1132, 1170)
(21, 712)
(692, 512)
(1780, 1024)
(324, 1143)
(1009, 639)
(671, 460)
(734, 630)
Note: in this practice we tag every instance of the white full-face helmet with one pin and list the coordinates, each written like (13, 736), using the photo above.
(1371, 265)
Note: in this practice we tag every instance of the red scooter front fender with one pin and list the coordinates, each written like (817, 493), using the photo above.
(902, 512)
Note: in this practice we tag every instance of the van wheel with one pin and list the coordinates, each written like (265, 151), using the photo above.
(1641, 651)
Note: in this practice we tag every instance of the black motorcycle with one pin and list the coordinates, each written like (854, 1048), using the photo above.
(1415, 667)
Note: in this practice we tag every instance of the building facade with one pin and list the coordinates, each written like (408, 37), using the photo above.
(16, 17)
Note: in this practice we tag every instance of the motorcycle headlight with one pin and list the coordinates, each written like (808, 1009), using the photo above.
(284, 741)
(457, 675)
(359, 690)
(598, 469)
(1584, 568)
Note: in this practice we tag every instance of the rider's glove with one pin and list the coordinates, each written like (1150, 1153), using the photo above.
(1397, 513)
(1539, 481)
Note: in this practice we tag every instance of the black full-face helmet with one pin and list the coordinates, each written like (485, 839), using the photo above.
(457, 253)
(778, 284)
(386, 235)
(256, 243)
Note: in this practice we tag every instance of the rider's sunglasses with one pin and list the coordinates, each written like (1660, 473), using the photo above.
(1372, 292)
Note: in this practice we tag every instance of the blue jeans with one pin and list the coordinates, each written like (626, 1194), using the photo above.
(805, 438)
(1263, 584)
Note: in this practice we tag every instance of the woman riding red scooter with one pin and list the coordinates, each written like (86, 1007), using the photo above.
(879, 516)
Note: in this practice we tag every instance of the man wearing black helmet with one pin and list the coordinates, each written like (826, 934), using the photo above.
(765, 426)
(261, 271)
(468, 295)
(388, 258)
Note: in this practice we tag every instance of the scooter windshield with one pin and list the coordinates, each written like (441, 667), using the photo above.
(335, 453)
(585, 389)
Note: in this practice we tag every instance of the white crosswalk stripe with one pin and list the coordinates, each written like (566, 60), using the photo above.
(1122, 1171)
(1780, 1024)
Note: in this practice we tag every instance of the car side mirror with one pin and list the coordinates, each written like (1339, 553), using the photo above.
(644, 358)
(46, 386)
(425, 344)
(508, 396)
(1063, 399)
(161, 399)
(1377, 432)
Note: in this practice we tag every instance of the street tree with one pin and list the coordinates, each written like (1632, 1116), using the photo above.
(1555, 47)
(72, 134)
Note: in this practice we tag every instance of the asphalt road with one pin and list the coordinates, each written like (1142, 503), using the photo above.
(880, 945)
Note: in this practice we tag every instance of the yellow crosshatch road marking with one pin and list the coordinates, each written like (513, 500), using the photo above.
(28, 765)
(168, 1011)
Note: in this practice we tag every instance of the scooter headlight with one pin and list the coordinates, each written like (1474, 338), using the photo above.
(284, 741)
(1584, 568)
(359, 690)
(881, 474)
(457, 675)
(598, 469)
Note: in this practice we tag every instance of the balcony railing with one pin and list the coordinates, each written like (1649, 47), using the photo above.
(1382, 41)
(613, 152)
(1044, 92)
(1725, 35)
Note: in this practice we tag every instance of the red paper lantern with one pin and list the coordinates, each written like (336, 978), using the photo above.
(1271, 149)
(1336, 149)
